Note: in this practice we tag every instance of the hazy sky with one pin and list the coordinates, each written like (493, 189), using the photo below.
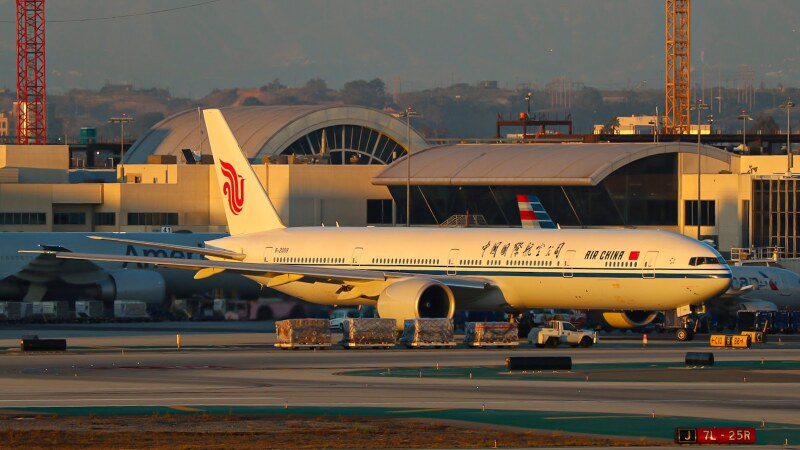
(424, 43)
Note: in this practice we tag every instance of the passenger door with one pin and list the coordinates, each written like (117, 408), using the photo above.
(357, 256)
(568, 257)
(452, 261)
(268, 254)
(649, 269)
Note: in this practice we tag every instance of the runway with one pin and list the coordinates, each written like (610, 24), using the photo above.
(615, 388)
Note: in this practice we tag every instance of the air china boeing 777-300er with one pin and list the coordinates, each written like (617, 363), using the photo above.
(429, 272)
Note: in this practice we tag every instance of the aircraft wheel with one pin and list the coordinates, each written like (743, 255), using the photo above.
(682, 334)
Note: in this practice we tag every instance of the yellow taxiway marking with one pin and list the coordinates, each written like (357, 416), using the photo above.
(185, 408)
(407, 411)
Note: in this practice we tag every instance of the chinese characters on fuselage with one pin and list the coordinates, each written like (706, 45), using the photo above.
(501, 249)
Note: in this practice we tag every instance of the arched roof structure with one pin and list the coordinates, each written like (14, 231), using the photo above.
(564, 164)
(357, 134)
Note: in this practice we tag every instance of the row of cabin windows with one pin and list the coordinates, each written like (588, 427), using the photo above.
(413, 261)
(497, 262)
(622, 264)
(697, 261)
(288, 259)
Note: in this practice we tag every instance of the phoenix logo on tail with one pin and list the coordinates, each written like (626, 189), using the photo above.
(532, 214)
(234, 191)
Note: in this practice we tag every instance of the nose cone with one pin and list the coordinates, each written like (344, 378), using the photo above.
(717, 284)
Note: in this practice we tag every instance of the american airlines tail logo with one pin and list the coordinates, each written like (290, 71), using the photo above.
(232, 189)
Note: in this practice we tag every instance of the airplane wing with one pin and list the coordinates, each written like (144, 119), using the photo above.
(205, 251)
(280, 273)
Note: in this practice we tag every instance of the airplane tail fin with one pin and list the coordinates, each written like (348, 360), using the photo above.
(532, 214)
(247, 206)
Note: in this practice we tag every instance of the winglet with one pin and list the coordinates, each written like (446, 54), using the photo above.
(532, 213)
(246, 204)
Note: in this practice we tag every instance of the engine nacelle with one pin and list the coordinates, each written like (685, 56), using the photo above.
(416, 298)
(624, 320)
(134, 284)
(755, 305)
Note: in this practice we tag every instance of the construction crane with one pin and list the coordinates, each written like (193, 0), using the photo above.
(678, 66)
(31, 108)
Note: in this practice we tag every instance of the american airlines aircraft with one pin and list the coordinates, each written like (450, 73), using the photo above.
(33, 277)
(428, 272)
(772, 288)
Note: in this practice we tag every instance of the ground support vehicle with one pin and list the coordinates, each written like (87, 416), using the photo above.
(14, 311)
(340, 315)
(130, 310)
(89, 310)
(559, 332)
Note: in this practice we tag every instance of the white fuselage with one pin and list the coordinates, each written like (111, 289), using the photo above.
(528, 268)
(772, 284)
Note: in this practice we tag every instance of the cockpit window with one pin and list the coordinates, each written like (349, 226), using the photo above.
(701, 260)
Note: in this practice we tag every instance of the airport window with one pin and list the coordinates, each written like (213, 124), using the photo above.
(153, 218)
(72, 218)
(23, 218)
(707, 212)
(379, 212)
(105, 218)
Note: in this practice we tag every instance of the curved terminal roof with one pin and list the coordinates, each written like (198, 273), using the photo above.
(566, 164)
(266, 130)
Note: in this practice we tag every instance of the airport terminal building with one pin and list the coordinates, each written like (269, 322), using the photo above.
(348, 165)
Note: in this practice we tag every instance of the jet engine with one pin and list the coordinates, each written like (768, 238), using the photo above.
(133, 284)
(755, 305)
(416, 298)
(623, 320)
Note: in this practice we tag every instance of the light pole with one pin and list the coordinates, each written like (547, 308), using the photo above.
(408, 114)
(121, 121)
(744, 118)
(788, 107)
(528, 99)
(699, 106)
(656, 130)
